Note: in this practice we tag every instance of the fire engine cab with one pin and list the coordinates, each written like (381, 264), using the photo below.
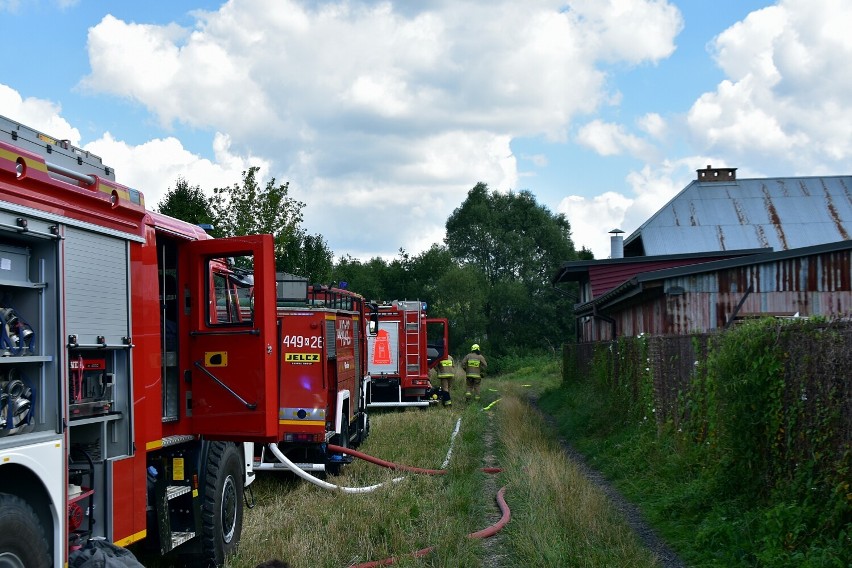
(405, 346)
(138, 363)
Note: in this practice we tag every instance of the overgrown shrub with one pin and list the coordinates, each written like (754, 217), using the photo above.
(761, 415)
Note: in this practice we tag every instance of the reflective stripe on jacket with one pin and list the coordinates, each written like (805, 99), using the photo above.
(474, 364)
(446, 369)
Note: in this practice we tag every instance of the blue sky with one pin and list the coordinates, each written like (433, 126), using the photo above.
(382, 115)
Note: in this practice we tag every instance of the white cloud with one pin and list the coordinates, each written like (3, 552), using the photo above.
(653, 124)
(591, 219)
(653, 187)
(785, 102)
(383, 115)
(609, 139)
(36, 113)
(152, 167)
(171, 161)
(375, 105)
(625, 30)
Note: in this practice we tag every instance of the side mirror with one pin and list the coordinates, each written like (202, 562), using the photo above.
(373, 325)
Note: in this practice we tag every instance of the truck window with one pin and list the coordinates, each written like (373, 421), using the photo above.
(231, 289)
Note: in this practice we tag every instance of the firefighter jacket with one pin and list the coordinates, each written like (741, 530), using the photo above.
(445, 368)
(474, 364)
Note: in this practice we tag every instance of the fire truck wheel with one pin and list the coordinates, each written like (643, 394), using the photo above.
(222, 507)
(22, 542)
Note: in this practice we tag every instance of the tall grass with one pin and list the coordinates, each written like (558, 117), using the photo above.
(311, 527)
(558, 518)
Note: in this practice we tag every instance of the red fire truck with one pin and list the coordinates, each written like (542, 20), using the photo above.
(323, 381)
(406, 345)
(140, 360)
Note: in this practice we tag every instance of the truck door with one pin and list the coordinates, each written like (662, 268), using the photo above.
(437, 336)
(230, 300)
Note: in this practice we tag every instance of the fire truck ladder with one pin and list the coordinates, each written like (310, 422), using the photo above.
(412, 343)
(61, 157)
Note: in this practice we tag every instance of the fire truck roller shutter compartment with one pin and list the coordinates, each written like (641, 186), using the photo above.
(96, 268)
(97, 320)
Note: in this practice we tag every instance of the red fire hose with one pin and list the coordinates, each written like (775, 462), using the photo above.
(396, 466)
(484, 533)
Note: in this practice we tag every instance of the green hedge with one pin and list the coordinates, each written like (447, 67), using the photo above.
(762, 411)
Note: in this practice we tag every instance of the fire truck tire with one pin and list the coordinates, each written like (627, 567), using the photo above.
(22, 540)
(222, 507)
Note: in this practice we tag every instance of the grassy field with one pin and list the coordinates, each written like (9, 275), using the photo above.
(558, 518)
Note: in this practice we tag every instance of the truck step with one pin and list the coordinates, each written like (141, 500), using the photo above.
(178, 439)
(179, 538)
(267, 466)
(173, 491)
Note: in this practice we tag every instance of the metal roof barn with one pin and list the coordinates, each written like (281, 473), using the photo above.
(732, 214)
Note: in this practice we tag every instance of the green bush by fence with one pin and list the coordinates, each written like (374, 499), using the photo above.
(765, 409)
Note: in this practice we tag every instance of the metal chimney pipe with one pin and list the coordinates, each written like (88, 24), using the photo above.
(616, 244)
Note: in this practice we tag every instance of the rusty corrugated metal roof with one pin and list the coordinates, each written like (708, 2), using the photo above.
(781, 213)
(633, 286)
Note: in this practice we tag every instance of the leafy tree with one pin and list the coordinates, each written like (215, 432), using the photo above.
(460, 295)
(186, 202)
(585, 254)
(515, 243)
(308, 256)
(425, 271)
(412, 277)
(249, 209)
(364, 278)
(403, 278)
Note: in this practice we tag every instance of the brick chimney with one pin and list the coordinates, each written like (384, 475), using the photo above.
(712, 174)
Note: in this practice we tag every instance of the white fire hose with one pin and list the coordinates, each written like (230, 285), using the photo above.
(319, 482)
(352, 490)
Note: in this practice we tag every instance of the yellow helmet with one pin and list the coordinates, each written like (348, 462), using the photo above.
(474, 347)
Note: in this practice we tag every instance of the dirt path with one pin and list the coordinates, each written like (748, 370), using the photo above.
(494, 555)
(666, 556)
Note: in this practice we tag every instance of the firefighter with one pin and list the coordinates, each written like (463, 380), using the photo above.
(446, 372)
(474, 366)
